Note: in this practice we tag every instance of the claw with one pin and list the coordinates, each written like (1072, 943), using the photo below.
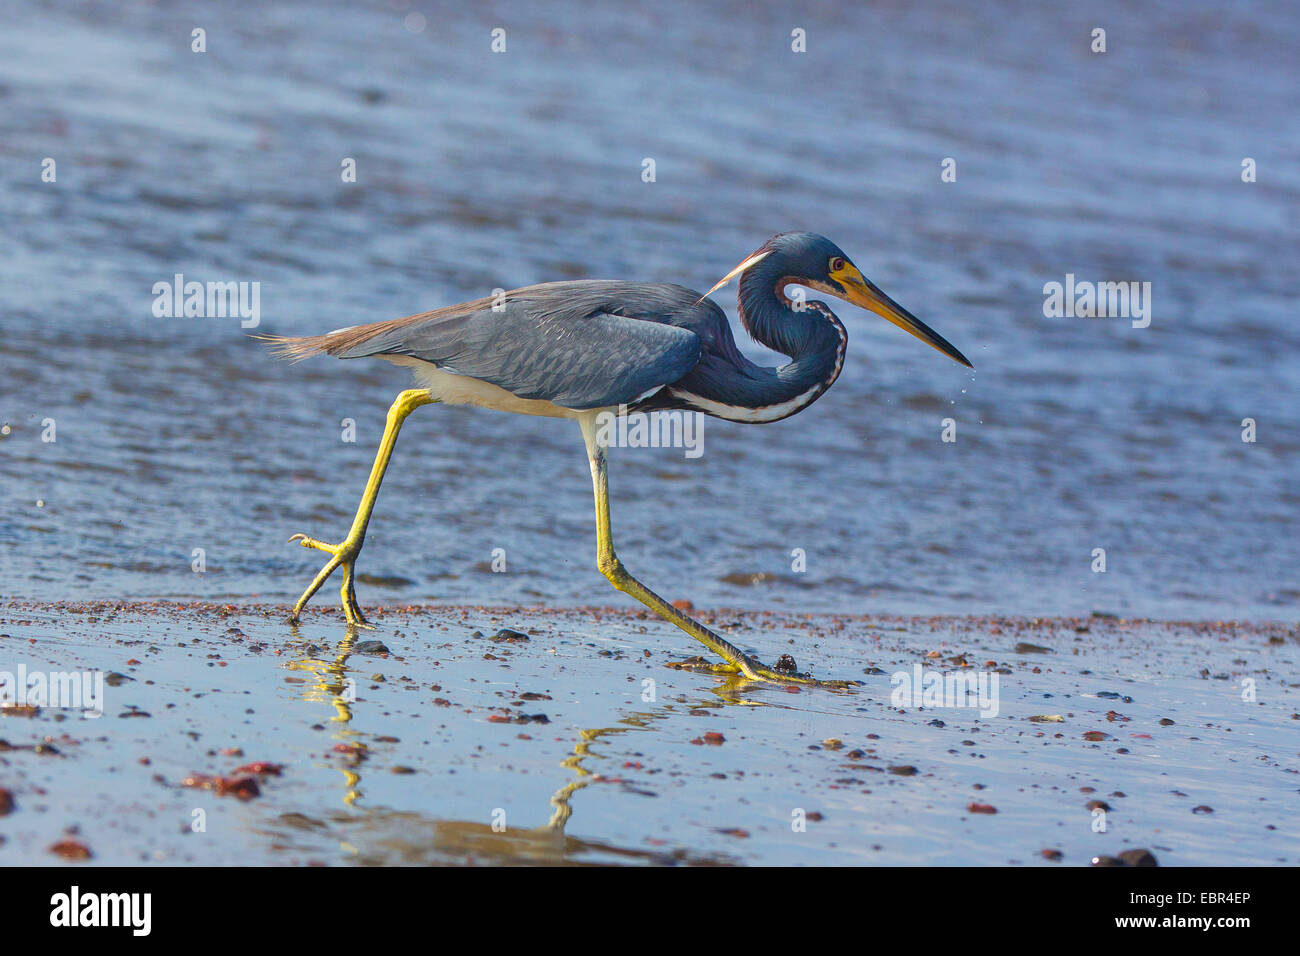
(785, 672)
(759, 672)
(341, 555)
(700, 665)
(307, 542)
(765, 673)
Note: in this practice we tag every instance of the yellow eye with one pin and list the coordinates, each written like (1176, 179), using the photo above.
(837, 264)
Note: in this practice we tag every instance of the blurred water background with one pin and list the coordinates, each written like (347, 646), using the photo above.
(478, 170)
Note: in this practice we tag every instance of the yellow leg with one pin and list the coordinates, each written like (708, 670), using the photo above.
(738, 662)
(345, 554)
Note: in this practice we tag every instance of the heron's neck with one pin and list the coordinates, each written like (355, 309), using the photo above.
(773, 319)
(811, 336)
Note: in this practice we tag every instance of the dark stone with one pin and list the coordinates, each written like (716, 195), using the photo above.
(1139, 857)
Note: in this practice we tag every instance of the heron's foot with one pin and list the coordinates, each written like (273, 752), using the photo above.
(700, 665)
(780, 675)
(341, 555)
(784, 673)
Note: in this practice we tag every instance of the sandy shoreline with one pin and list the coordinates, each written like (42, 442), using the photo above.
(567, 739)
(11, 608)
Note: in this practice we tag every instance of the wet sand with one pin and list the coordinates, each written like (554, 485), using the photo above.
(570, 740)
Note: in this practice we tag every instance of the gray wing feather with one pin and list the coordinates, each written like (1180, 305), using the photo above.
(576, 361)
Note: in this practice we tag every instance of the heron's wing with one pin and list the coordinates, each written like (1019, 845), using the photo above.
(576, 359)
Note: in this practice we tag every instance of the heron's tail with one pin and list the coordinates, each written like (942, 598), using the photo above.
(297, 348)
(373, 338)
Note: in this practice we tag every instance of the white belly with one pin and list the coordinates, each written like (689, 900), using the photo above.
(463, 390)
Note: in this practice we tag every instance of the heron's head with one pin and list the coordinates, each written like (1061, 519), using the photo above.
(805, 258)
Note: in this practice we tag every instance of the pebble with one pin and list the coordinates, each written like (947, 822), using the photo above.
(1138, 857)
(71, 850)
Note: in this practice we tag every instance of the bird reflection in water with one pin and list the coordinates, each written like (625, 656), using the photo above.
(382, 836)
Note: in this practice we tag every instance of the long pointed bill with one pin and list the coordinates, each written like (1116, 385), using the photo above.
(862, 293)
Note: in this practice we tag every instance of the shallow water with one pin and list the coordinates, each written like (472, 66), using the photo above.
(478, 170)
(1184, 732)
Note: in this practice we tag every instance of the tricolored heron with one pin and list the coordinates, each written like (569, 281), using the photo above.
(576, 349)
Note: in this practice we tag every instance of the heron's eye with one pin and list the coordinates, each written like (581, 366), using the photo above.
(837, 264)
